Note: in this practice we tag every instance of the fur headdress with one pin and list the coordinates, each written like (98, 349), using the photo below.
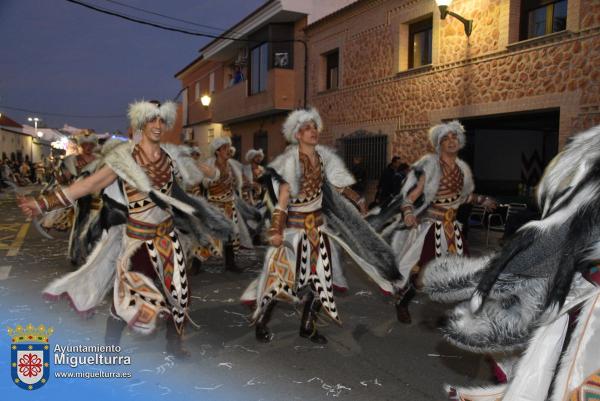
(232, 150)
(86, 136)
(437, 132)
(252, 153)
(142, 112)
(297, 119)
(217, 143)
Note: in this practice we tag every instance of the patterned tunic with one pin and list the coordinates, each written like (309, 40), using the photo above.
(137, 299)
(437, 233)
(221, 194)
(443, 210)
(304, 261)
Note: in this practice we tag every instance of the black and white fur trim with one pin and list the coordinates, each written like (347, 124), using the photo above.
(296, 119)
(287, 165)
(141, 112)
(453, 278)
(505, 321)
(568, 169)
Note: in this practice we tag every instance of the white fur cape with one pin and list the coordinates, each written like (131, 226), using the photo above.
(431, 167)
(287, 165)
(247, 172)
(117, 155)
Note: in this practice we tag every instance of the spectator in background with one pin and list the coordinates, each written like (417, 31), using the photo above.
(360, 174)
(25, 172)
(40, 172)
(238, 76)
(391, 181)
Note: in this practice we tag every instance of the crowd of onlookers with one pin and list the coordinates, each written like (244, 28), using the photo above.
(24, 172)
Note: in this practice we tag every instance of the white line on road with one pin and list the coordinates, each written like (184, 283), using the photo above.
(4, 272)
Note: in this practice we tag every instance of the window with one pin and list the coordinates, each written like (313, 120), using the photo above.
(197, 91)
(541, 17)
(419, 43)
(259, 57)
(211, 82)
(211, 135)
(333, 70)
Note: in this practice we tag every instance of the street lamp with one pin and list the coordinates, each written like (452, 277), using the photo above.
(443, 6)
(35, 121)
(205, 100)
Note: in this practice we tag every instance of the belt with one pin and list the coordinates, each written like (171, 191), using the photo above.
(441, 214)
(147, 231)
(305, 220)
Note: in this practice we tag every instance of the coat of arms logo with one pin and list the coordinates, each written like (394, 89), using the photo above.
(30, 355)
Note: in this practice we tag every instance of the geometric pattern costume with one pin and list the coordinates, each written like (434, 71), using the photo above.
(154, 206)
(306, 263)
(438, 233)
(222, 192)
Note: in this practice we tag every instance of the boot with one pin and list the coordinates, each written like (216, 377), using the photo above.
(262, 331)
(307, 325)
(230, 264)
(114, 330)
(402, 312)
(196, 267)
(175, 342)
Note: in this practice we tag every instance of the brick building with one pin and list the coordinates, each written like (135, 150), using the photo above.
(381, 72)
(253, 83)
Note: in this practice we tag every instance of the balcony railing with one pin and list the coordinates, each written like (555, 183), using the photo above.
(234, 103)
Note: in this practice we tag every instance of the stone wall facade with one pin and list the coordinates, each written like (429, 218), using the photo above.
(490, 72)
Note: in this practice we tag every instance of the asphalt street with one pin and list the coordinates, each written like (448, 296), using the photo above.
(370, 357)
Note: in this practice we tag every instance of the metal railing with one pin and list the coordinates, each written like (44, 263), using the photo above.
(370, 147)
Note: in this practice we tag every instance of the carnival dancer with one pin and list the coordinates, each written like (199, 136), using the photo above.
(539, 296)
(224, 192)
(307, 180)
(68, 170)
(253, 191)
(140, 245)
(434, 189)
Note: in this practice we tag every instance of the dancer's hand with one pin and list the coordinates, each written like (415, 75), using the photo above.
(28, 206)
(410, 220)
(276, 240)
(489, 203)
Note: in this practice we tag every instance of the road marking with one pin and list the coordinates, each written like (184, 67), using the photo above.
(4, 272)
(16, 245)
(7, 234)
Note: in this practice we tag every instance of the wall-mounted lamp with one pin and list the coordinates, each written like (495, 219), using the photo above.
(205, 100)
(443, 6)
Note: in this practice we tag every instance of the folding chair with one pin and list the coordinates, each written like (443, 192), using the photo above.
(497, 222)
